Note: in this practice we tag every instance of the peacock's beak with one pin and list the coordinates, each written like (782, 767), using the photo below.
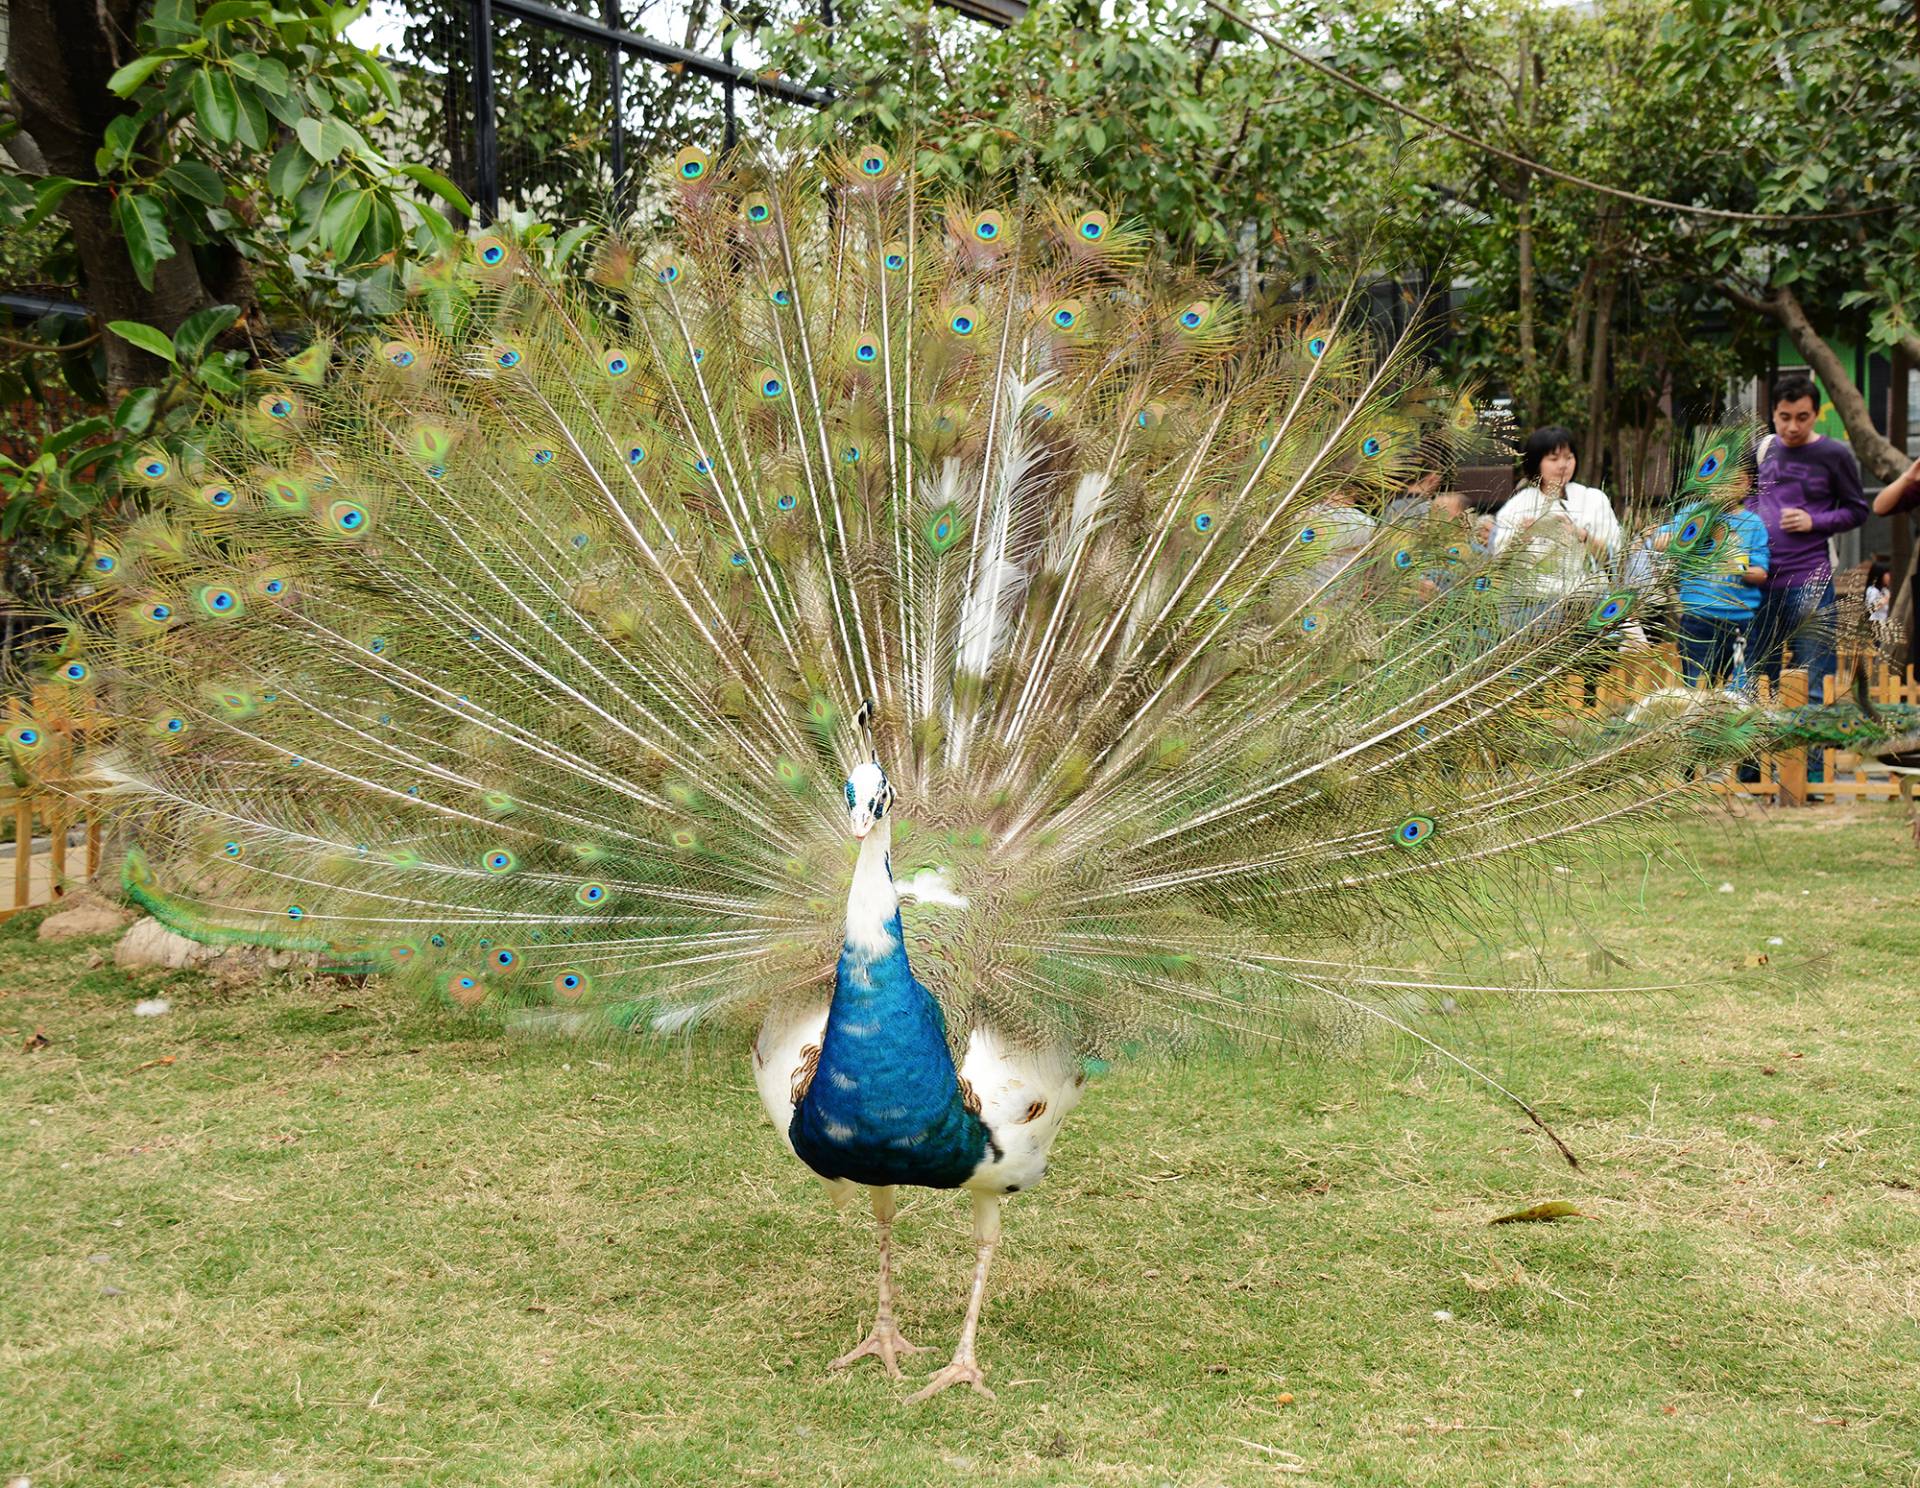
(860, 822)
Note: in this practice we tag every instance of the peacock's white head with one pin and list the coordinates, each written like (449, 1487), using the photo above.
(868, 796)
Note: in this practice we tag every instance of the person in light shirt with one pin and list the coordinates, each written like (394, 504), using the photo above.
(1569, 529)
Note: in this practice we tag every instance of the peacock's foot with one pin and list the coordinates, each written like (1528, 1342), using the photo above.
(959, 1372)
(886, 1343)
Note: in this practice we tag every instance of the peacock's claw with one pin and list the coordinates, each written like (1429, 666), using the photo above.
(886, 1343)
(959, 1372)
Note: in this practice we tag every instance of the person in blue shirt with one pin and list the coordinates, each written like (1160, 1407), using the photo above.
(1719, 596)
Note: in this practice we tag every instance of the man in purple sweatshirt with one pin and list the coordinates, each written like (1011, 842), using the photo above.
(1808, 490)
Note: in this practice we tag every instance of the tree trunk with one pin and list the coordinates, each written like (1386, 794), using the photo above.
(1878, 456)
(59, 58)
(1529, 359)
(1595, 442)
(1900, 524)
(1582, 321)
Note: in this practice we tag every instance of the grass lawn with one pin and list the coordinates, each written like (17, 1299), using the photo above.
(308, 1235)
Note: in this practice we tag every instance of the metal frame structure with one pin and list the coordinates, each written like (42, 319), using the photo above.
(620, 43)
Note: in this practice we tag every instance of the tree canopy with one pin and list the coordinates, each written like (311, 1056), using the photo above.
(208, 178)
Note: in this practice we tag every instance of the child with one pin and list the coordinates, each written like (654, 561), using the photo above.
(1719, 597)
(1879, 593)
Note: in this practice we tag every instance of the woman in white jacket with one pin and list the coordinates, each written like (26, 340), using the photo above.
(1569, 529)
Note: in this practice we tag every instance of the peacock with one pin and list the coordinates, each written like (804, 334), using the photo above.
(920, 624)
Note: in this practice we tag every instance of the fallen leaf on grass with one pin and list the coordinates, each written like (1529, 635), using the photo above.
(152, 1064)
(1542, 1213)
(34, 1040)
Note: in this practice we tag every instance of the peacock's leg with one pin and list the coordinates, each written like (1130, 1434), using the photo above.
(965, 1369)
(885, 1342)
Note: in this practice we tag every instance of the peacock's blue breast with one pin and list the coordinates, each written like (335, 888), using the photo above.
(884, 1105)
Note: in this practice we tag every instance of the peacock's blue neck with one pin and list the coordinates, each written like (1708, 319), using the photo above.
(884, 1105)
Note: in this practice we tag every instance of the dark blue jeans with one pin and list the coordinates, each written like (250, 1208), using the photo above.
(1707, 650)
(1797, 618)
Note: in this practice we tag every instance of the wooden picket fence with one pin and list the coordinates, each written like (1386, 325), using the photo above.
(46, 875)
(1783, 775)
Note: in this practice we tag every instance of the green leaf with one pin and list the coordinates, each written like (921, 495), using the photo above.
(174, 20)
(382, 79)
(341, 222)
(145, 337)
(117, 142)
(196, 179)
(48, 193)
(82, 367)
(440, 186)
(223, 11)
(135, 413)
(570, 240)
(439, 232)
(200, 329)
(289, 171)
(219, 377)
(321, 139)
(62, 440)
(252, 124)
(126, 79)
(286, 108)
(266, 73)
(216, 106)
(143, 224)
(384, 232)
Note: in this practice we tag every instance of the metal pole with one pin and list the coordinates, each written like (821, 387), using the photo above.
(732, 130)
(616, 105)
(486, 141)
(826, 20)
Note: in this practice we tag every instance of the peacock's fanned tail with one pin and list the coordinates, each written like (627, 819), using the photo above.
(518, 651)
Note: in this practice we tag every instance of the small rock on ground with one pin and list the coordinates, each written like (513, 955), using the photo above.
(83, 914)
(150, 943)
